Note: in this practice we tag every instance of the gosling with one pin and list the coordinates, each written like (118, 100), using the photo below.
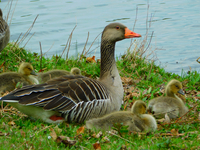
(44, 77)
(170, 104)
(136, 119)
(9, 80)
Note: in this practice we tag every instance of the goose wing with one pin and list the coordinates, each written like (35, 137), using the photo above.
(60, 94)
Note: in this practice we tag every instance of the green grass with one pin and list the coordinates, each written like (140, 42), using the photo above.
(17, 131)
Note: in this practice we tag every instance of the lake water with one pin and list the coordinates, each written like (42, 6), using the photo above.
(176, 26)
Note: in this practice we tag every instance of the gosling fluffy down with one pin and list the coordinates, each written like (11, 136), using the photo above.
(44, 77)
(135, 119)
(8, 80)
(170, 104)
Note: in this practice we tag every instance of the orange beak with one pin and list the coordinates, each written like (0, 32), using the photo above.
(130, 34)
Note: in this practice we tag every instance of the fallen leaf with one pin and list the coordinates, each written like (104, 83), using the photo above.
(127, 80)
(35, 128)
(129, 89)
(41, 70)
(99, 135)
(97, 146)
(57, 129)
(161, 120)
(22, 133)
(12, 123)
(144, 92)
(174, 132)
(91, 59)
(65, 140)
(80, 130)
(123, 147)
(53, 134)
(1, 134)
(106, 139)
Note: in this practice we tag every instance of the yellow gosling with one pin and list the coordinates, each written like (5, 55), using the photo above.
(136, 119)
(170, 104)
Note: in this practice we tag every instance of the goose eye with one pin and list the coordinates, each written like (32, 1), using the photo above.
(117, 27)
(177, 86)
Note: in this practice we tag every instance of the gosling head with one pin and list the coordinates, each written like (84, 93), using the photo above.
(174, 87)
(26, 69)
(76, 71)
(139, 107)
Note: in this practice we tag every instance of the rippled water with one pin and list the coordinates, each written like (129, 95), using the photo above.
(176, 26)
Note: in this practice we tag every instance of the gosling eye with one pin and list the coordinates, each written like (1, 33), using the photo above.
(117, 27)
(177, 86)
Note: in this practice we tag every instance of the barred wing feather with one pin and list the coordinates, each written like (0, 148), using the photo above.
(74, 98)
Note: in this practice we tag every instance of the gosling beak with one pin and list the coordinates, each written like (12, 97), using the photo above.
(181, 92)
(130, 34)
(33, 73)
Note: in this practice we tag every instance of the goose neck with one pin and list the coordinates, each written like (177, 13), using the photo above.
(107, 57)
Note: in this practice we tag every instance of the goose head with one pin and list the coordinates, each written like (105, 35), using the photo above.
(76, 71)
(139, 107)
(174, 87)
(26, 69)
(116, 31)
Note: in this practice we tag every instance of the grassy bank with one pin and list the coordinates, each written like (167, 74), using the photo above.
(141, 78)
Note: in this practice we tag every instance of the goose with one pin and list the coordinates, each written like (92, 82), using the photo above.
(8, 80)
(136, 119)
(170, 104)
(44, 77)
(4, 32)
(77, 98)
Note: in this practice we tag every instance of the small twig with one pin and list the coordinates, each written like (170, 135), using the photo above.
(28, 31)
(119, 137)
(70, 38)
(41, 130)
(21, 145)
(84, 147)
(2, 108)
(149, 41)
(84, 46)
(28, 40)
(198, 60)
(92, 44)
(40, 55)
(150, 70)
(13, 12)
(135, 18)
(49, 49)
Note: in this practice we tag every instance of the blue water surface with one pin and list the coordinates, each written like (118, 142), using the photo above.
(176, 27)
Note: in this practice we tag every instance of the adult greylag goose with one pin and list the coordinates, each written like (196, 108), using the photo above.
(4, 32)
(46, 76)
(170, 104)
(8, 80)
(136, 119)
(77, 98)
